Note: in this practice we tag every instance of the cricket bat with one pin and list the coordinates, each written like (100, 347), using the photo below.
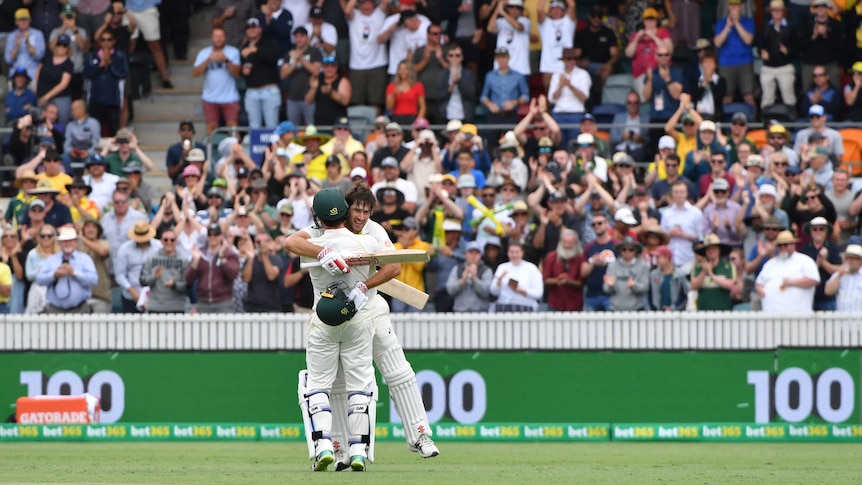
(380, 258)
(404, 292)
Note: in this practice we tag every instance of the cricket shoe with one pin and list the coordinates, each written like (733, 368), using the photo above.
(323, 460)
(342, 461)
(425, 447)
(357, 463)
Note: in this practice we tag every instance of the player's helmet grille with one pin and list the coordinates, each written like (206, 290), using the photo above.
(334, 308)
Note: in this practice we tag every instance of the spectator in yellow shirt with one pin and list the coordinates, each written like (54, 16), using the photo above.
(5, 287)
(313, 158)
(79, 205)
(411, 273)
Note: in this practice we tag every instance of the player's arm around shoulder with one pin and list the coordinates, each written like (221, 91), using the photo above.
(299, 243)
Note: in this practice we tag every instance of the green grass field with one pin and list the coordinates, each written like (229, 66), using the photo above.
(471, 463)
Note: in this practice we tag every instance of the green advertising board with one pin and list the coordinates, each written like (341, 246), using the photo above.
(463, 388)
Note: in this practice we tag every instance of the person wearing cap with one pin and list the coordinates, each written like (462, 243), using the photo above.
(393, 148)
(368, 55)
(568, 91)
(512, 28)
(342, 144)
(698, 162)
(122, 150)
(68, 276)
(627, 277)
(20, 98)
(811, 202)
(819, 167)
(100, 181)
(405, 30)
(466, 165)
(456, 89)
(643, 47)
(787, 283)
(25, 46)
(106, 68)
(447, 257)
(80, 43)
(668, 288)
(764, 204)
(412, 274)
(296, 192)
(330, 92)
(129, 259)
(851, 93)
(322, 35)
(390, 178)
(561, 272)
(822, 92)
(214, 268)
(220, 65)
(738, 137)
(734, 36)
(505, 89)
(845, 284)
(334, 178)
(713, 276)
(779, 44)
(687, 139)
(298, 67)
(52, 168)
(260, 57)
(660, 190)
(817, 116)
(826, 254)
(79, 206)
(469, 282)
(389, 213)
(215, 210)
(822, 42)
(508, 165)
(557, 32)
(586, 160)
(17, 206)
(232, 16)
(177, 153)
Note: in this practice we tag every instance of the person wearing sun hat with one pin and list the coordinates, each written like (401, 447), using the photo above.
(56, 213)
(17, 207)
(788, 281)
(68, 276)
(846, 282)
(851, 93)
(79, 205)
(826, 254)
(313, 158)
(713, 276)
(627, 277)
(129, 260)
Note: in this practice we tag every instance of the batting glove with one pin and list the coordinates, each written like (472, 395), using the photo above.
(357, 295)
(332, 262)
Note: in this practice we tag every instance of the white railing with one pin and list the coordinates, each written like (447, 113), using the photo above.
(429, 331)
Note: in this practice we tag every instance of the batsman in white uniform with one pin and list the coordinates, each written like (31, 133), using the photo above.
(387, 351)
(339, 336)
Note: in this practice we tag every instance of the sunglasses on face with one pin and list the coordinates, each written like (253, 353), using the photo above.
(671, 165)
(738, 123)
(780, 164)
(169, 239)
(719, 192)
(811, 197)
(627, 250)
(46, 236)
(598, 223)
(717, 160)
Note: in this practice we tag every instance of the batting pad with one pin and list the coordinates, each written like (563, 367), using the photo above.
(404, 393)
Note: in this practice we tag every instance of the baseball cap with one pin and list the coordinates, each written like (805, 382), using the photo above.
(451, 226)
(815, 137)
(252, 22)
(389, 162)
(64, 40)
(754, 161)
(214, 228)
(777, 129)
(36, 203)
(816, 110)
(421, 123)
(720, 184)
(588, 117)
(196, 155)
(466, 181)
(585, 139)
(358, 172)
(342, 122)
(474, 246)
(191, 171)
(316, 13)
(410, 223)
(623, 158)
(501, 51)
(284, 127)
(556, 196)
(767, 189)
(650, 13)
(133, 166)
(392, 126)
(332, 160)
(215, 192)
(739, 116)
(706, 125)
(22, 13)
(666, 141)
(242, 173)
(454, 125)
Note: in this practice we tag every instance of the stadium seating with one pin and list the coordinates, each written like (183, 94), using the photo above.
(617, 88)
(758, 137)
(731, 108)
(852, 160)
(605, 113)
(362, 120)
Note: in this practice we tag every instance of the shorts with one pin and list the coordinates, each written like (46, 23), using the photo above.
(148, 23)
(738, 77)
(213, 111)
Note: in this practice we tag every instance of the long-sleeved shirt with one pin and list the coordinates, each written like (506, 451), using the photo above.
(82, 135)
(501, 87)
(773, 37)
(105, 81)
(528, 277)
(214, 276)
(15, 103)
(68, 291)
(726, 231)
(24, 58)
(624, 298)
(690, 219)
(163, 298)
(472, 296)
(128, 263)
(443, 265)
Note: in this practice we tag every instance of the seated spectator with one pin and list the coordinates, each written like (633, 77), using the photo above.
(543, 125)
(20, 99)
(412, 274)
(846, 283)
(851, 94)
(139, 188)
(668, 288)
(646, 47)
(122, 150)
(822, 92)
(786, 284)
(17, 207)
(738, 137)
(734, 36)
(54, 77)
(424, 160)
(601, 42)
(261, 271)
(778, 48)
(342, 144)
(118, 222)
(698, 161)
(685, 141)
(448, 255)
(25, 46)
(390, 178)
(819, 166)
(817, 115)
(815, 204)
(129, 261)
(82, 137)
(562, 274)
(714, 276)
(213, 268)
(405, 96)
(629, 133)
(389, 213)
(312, 159)
(96, 247)
(777, 142)
(68, 276)
(56, 213)
(709, 92)
(80, 207)
(517, 283)
(469, 282)
(627, 277)
(826, 255)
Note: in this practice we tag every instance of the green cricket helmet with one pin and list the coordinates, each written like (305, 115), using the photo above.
(329, 206)
(334, 308)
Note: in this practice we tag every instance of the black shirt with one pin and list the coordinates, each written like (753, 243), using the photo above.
(326, 109)
(264, 64)
(384, 152)
(51, 74)
(299, 78)
(122, 38)
(263, 294)
(597, 45)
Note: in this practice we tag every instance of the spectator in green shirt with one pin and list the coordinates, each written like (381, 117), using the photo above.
(713, 276)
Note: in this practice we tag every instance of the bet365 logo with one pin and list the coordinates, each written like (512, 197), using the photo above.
(794, 395)
(106, 385)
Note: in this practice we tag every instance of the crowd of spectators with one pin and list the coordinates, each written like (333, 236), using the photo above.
(548, 212)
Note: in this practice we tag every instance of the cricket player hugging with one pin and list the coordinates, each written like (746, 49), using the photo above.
(340, 331)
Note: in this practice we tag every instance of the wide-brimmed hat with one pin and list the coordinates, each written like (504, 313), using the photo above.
(43, 186)
(628, 241)
(853, 250)
(786, 237)
(656, 230)
(508, 181)
(709, 241)
(384, 191)
(79, 183)
(67, 234)
(141, 232)
(771, 222)
(818, 222)
(89, 220)
(311, 132)
(27, 175)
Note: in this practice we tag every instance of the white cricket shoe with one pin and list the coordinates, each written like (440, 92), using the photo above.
(342, 460)
(425, 447)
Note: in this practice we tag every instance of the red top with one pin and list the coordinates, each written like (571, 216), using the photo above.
(564, 298)
(406, 103)
(645, 58)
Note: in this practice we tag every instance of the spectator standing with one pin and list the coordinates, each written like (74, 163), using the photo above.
(330, 93)
(106, 68)
(662, 87)
(146, 13)
(428, 62)
(598, 254)
(842, 198)
(503, 92)
(787, 282)
(777, 142)
(683, 222)
(53, 79)
(68, 276)
(261, 271)
(175, 26)
(629, 133)
(448, 255)
(562, 274)
(322, 35)
(601, 44)
(668, 288)
(394, 148)
(456, 88)
(20, 98)
(214, 269)
(25, 46)
(406, 31)
(778, 48)
(846, 282)
(627, 277)
(79, 206)
(719, 214)
(513, 34)
(101, 182)
(277, 23)
(643, 48)
(220, 65)
(469, 283)
(79, 38)
(232, 17)
(368, 55)
(822, 42)
(822, 92)
(123, 28)
(412, 274)
(96, 247)
(405, 96)
(129, 261)
(569, 89)
(734, 36)
(177, 153)
(709, 92)
(517, 284)
(713, 276)
(818, 119)
(557, 33)
(260, 71)
(826, 255)
(122, 150)
(91, 15)
(119, 222)
(298, 67)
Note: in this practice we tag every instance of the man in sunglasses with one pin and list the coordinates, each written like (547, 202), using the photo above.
(738, 136)
(817, 116)
(777, 142)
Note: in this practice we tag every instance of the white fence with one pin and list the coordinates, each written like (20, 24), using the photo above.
(429, 331)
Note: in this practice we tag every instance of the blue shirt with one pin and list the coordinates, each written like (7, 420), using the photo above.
(477, 175)
(68, 291)
(595, 280)
(219, 83)
(735, 52)
(659, 88)
(140, 5)
(500, 88)
(24, 59)
(15, 104)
